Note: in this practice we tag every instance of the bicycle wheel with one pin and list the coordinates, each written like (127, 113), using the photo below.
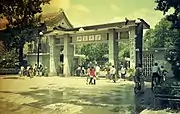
(153, 85)
(135, 90)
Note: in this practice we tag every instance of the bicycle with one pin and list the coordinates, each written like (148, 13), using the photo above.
(137, 87)
(154, 83)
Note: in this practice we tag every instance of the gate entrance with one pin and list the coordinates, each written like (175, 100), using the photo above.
(111, 33)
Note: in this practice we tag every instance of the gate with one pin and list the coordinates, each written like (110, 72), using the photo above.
(148, 61)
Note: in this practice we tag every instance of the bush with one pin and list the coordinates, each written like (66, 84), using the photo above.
(131, 72)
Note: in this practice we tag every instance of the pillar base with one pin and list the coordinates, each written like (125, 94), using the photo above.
(52, 74)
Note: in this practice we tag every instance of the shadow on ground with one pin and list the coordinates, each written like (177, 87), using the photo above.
(117, 98)
(144, 101)
(13, 78)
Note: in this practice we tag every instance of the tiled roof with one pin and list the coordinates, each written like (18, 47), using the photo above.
(51, 19)
(49, 16)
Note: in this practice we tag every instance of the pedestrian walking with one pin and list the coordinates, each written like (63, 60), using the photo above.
(92, 76)
(155, 75)
(139, 79)
(113, 73)
(97, 71)
(88, 75)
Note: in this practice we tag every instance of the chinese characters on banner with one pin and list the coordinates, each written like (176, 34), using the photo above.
(89, 38)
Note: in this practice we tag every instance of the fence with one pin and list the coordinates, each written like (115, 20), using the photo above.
(148, 61)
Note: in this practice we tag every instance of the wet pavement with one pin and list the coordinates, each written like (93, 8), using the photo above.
(55, 95)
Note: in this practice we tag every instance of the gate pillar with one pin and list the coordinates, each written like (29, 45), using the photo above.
(52, 66)
(68, 56)
(132, 39)
(113, 47)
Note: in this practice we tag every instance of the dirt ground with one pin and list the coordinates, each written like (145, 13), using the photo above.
(56, 95)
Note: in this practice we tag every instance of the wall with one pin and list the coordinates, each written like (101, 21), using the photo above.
(159, 54)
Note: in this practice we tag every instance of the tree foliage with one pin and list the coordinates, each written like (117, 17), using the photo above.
(8, 59)
(100, 52)
(95, 51)
(162, 36)
(21, 13)
(165, 6)
(173, 55)
(23, 22)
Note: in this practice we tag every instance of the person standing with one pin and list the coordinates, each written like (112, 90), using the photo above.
(163, 73)
(123, 72)
(27, 71)
(88, 75)
(22, 71)
(155, 75)
(35, 70)
(113, 73)
(139, 77)
(92, 76)
(97, 72)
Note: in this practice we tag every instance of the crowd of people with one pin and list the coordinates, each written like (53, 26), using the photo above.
(93, 72)
(31, 71)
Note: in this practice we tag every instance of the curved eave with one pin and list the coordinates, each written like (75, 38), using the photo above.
(145, 24)
(68, 22)
(53, 22)
(100, 26)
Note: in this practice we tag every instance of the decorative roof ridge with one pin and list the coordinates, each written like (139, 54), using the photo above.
(58, 16)
(65, 16)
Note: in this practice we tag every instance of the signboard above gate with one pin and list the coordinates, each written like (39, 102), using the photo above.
(89, 38)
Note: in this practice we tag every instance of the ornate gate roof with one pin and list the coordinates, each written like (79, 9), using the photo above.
(57, 18)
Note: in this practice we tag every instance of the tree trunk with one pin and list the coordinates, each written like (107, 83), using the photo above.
(21, 55)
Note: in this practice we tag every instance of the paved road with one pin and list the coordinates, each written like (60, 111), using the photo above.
(55, 95)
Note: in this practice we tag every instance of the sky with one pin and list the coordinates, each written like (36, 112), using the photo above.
(91, 12)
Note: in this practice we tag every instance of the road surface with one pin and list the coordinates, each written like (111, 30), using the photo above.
(56, 95)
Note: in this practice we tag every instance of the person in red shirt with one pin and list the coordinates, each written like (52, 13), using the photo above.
(92, 76)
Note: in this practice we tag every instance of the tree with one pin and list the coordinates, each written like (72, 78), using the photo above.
(165, 5)
(162, 36)
(124, 50)
(99, 52)
(23, 20)
(95, 51)
(173, 55)
(8, 59)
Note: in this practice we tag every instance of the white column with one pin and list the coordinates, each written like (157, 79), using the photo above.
(132, 39)
(113, 47)
(52, 68)
(68, 56)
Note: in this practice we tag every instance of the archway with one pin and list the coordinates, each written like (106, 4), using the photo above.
(110, 33)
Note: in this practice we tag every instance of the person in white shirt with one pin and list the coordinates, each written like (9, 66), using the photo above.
(163, 73)
(113, 73)
(97, 70)
(155, 74)
(21, 71)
